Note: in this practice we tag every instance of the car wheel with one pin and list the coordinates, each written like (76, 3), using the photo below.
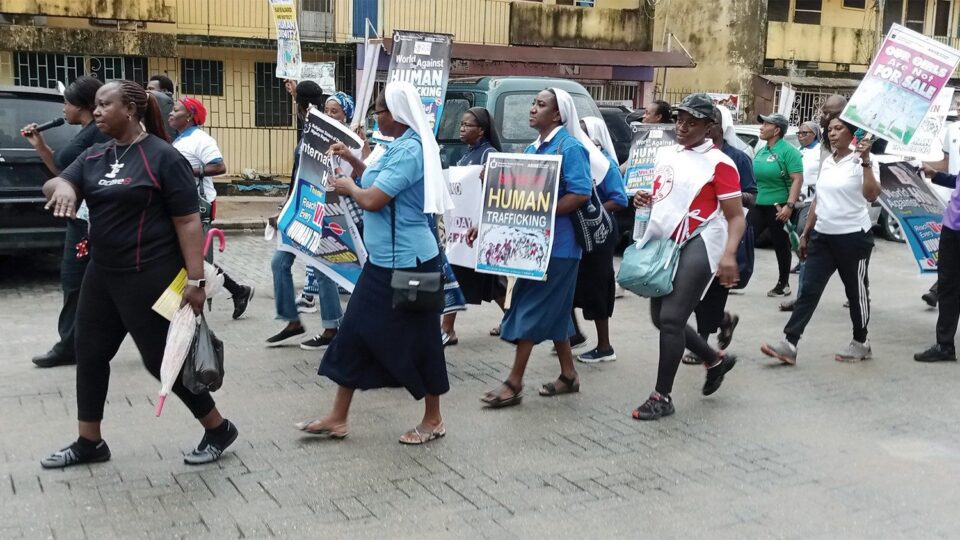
(890, 227)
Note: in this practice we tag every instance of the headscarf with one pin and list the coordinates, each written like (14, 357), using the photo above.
(486, 124)
(815, 128)
(597, 130)
(345, 102)
(599, 164)
(405, 106)
(196, 109)
(730, 134)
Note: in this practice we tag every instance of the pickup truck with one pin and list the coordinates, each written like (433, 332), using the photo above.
(24, 224)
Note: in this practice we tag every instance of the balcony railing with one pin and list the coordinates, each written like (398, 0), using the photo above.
(470, 21)
(818, 43)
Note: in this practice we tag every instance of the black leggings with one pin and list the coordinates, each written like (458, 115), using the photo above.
(113, 304)
(670, 314)
(763, 218)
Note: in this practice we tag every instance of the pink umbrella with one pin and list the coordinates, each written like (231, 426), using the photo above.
(179, 337)
(210, 234)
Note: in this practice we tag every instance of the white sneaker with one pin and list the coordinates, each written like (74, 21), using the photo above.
(306, 303)
(855, 352)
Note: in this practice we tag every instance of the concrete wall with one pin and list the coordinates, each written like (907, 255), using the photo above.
(809, 42)
(136, 10)
(564, 26)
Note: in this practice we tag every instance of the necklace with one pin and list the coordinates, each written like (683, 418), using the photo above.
(116, 165)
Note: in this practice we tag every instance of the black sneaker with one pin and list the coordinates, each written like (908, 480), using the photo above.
(657, 405)
(211, 447)
(578, 341)
(317, 342)
(782, 289)
(241, 301)
(937, 353)
(75, 454)
(53, 359)
(716, 373)
(278, 339)
(930, 298)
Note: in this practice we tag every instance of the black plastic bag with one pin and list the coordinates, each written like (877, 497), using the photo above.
(203, 368)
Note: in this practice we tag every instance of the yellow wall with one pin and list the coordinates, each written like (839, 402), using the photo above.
(470, 21)
(567, 26)
(136, 10)
(6, 67)
(834, 14)
(809, 42)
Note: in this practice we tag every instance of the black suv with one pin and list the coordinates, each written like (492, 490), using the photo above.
(24, 224)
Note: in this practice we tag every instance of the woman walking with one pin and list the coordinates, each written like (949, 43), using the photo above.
(540, 310)
(145, 228)
(701, 208)
(379, 346)
(837, 238)
(778, 167)
(809, 135)
(79, 101)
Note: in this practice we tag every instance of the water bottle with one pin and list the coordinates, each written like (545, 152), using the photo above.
(640, 221)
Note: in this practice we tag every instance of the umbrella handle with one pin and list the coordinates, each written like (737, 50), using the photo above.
(210, 234)
(160, 404)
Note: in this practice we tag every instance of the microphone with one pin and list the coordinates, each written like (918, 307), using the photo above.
(47, 125)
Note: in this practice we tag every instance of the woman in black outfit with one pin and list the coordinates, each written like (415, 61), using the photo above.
(145, 228)
(79, 100)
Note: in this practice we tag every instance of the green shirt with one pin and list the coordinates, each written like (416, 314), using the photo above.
(773, 167)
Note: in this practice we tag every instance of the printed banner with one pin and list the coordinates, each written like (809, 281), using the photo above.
(908, 197)
(289, 58)
(423, 60)
(322, 73)
(466, 191)
(314, 224)
(519, 211)
(730, 101)
(901, 85)
(927, 143)
(648, 139)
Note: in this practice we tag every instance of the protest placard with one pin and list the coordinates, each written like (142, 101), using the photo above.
(314, 224)
(465, 190)
(289, 57)
(927, 143)
(901, 85)
(909, 198)
(322, 73)
(648, 139)
(515, 236)
(423, 60)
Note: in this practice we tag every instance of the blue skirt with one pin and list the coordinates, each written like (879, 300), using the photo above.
(540, 310)
(379, 347)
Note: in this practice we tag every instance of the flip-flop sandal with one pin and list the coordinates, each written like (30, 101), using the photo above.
(570, 386)
(691, 359)
(725, 337)
(447, 342)
(421, 437)
(495, 331)
(323, 432)
(495, 401)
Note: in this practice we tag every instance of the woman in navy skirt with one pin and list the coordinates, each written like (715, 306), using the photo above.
(378, 346)
(540, 310)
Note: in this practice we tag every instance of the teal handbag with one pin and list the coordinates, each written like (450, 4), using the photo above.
(649, 271)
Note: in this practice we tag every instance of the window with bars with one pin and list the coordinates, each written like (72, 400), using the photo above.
(201, 77)
(807, 11)
(916, 13)
(323, 6)
(778, 10)
(110, 68)
(274, 105)
(46, 69)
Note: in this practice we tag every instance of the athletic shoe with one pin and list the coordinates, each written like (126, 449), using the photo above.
(937, 353)
(317, 342)
(212, 445)
(656, 406)
(788, 305)
(241, 301)
(716, 373)
(855, 352)
(596, 356)
(307, 303)
(53, 359)
(779, 290)
(75, 454)
(930, 298)
(278, 339)
(783, 351)
(795, 269)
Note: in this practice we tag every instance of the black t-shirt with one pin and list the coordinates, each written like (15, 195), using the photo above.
(132, 206)
(85, 138)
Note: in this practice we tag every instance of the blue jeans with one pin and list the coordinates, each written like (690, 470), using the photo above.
(283, 291)
(328, 295)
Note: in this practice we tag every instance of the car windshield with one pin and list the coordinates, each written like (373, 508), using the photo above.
(453, 110)
(16, 112)
(515, 115)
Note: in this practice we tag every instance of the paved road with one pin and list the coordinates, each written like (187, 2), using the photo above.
(820, 450)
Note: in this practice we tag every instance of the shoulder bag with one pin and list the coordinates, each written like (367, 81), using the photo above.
(592, 223)
(420, 292)
(649, 271)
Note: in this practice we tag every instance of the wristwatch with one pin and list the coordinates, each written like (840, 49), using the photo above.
(792, 205)
(866, 163)
(198, 283)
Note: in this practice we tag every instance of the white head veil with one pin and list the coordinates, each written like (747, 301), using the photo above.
(568, 115)
(597, 131)
(405, 107)
(730, 134)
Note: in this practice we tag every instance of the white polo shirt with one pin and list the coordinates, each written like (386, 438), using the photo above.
(811, 167)
(841, 206)
(201, 150)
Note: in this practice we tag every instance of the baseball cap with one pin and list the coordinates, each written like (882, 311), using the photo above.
(700, 105)
(776, 119)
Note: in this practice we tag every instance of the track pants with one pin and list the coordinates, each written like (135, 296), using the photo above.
(849, 256)
(112, 305)
(948, 286)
